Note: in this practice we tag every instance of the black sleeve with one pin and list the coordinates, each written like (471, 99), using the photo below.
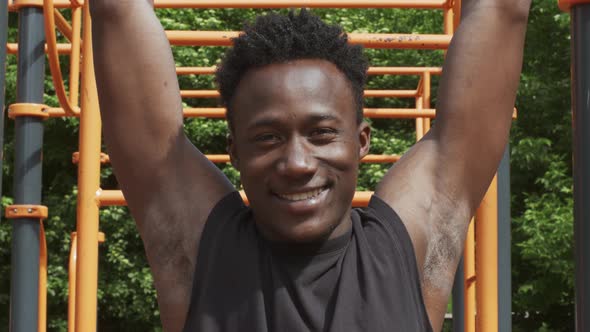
(399, 237)
(394, 224)
(224, 211)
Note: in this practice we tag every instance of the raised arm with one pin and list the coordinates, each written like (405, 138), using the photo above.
(169, 185)
(437, 186)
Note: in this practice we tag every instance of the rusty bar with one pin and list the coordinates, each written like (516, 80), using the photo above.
(223, 38)
(369, 40)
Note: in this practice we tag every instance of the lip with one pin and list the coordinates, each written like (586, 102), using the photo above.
(305, 206)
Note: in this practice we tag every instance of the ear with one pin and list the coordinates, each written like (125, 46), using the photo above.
(232, 151)
(364, 134)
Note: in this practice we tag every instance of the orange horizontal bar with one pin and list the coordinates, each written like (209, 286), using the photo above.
(418, 4)
(370, 40)
(371, 71)
(368, 112)
(115, 198)
(223, 38)
(377, 113)
(404, 70)
(224, 158)
(12, 48)
(368, 93)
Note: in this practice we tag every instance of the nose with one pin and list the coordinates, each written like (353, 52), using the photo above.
(297, 160)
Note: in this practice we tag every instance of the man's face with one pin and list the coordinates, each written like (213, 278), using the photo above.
(297, 145)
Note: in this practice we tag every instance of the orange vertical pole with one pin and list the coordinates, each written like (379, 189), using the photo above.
(470, 280)
(486, 260)
(449, 19)
(42, 322)
(426, 79)
(419, 122)
(72, 284)
(88, 184)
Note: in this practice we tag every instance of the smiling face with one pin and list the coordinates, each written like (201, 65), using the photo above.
(297, 144)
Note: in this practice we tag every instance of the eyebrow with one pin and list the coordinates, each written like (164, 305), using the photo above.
(270, 121)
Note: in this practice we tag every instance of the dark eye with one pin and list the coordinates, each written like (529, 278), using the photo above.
(322, 132)
(266, 138)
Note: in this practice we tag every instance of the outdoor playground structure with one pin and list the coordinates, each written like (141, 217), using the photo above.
(483, 279)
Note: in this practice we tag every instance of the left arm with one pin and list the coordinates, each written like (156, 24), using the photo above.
(437, 186)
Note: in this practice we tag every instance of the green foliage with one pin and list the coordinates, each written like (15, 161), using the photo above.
(541, 168)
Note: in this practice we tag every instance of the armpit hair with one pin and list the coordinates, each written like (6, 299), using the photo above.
(444, 249)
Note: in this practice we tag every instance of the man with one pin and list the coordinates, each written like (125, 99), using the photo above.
(299, 259)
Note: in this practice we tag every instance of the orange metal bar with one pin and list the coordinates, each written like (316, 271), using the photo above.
(427, 80)
(219, 113)
(470, 278)
(62, 25)
(417, 4)
(115, 198)
(419, 122)
(75, 55)
(88, 184)
(368, 93)
(224, 158)
(42, 322)
(72, 283)
(486, 260)
(370, 40)
(12, 48)
(221, 38)
(64, 101)
(449, 20)
(371, 71)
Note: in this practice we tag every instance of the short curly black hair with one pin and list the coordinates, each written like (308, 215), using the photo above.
(275, 38)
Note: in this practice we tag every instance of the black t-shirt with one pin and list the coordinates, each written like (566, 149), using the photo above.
(366, 280)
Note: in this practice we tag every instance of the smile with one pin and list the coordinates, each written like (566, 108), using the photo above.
(303, 196)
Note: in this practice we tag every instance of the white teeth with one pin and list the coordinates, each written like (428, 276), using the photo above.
(301, 196)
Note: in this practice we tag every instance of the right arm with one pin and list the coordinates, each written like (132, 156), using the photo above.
(170, 186)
